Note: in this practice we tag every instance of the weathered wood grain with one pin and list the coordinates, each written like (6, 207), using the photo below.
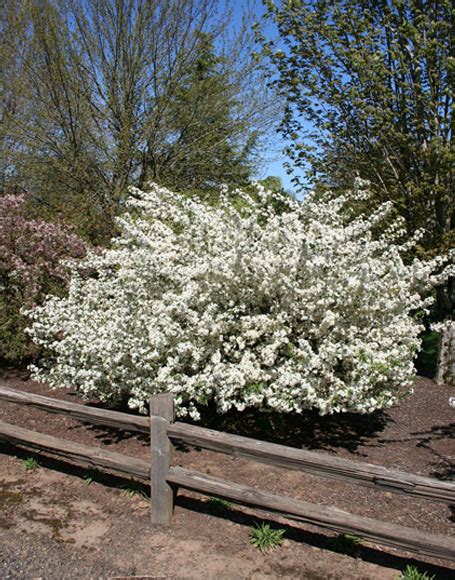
(161, 492)
(279, 455)
(381, 532)
(162, 405)
(331, 518)
(77, 411)
(93, 456)
(316, 463)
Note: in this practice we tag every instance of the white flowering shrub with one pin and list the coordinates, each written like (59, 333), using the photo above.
(240, 304)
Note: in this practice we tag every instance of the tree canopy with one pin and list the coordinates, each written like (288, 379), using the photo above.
(208, 139)
(370, 89)
(102, 94)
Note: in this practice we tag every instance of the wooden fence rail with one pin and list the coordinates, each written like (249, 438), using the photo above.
(313, 462)
(165, 479)
(93, 456)
(330, 518)
(78, 411)
(320, 464)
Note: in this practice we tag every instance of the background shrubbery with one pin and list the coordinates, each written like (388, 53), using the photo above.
(427, 359)
(31, 253)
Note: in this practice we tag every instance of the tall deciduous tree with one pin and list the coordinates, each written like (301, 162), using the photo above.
(370, 89)
(11, 23)
(100, 82)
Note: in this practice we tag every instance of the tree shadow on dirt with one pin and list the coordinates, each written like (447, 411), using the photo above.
(443, 467)
(436, 433)
(307, 430)
(308, 536)
(233, 512)
(111, 435)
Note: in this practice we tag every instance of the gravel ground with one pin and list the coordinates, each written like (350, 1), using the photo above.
(22, 558)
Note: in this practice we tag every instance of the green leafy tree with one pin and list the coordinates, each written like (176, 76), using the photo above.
(272, 183)
(208, 141)
(102, 94)
(11, 22)
(48, 125)
(369, 87)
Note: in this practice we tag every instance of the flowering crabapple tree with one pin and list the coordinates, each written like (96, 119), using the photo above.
(241, 304)
(30, 267)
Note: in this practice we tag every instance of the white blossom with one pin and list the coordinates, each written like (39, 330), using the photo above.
(240, 304)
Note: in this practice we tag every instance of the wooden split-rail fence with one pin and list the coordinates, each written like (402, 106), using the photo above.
(165, 479)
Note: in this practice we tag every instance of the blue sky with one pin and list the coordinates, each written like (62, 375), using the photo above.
(276, 167)
(275, 153)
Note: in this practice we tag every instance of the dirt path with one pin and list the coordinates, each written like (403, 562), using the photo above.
(58, 521)
(58, 527)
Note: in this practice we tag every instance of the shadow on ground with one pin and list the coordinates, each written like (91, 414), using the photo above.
(307, 430)
(230, 511)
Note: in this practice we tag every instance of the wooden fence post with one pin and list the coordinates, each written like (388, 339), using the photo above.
(161, 493)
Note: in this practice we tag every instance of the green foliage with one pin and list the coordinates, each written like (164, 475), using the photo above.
(102, 94)
(208, 146)
(220, 504)
(370, 90)
(31, 463)
(413, 573)
(15, 346)
(272, 183)
(93, 476)
(427, 359)
(265, 537)
(134, 489)
(345, 544)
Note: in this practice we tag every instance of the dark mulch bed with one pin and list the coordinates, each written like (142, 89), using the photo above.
(416, 436)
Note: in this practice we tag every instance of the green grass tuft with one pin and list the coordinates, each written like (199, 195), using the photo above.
(345, 544)
(134, 489)
(93, 475)
(31, 463)
(413, 573)
(265, 537)
(219, 503)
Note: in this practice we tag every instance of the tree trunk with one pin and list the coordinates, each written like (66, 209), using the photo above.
(446, 357)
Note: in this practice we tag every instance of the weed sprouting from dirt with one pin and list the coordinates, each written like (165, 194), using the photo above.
(264, 537)
(345, 544)
(31, 463)
(93, 476)
(217, 503)
(413, 573)
(134, 489)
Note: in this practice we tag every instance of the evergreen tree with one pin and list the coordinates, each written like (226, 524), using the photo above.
(208, 142)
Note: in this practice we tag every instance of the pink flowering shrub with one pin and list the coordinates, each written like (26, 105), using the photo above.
(31, 254)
